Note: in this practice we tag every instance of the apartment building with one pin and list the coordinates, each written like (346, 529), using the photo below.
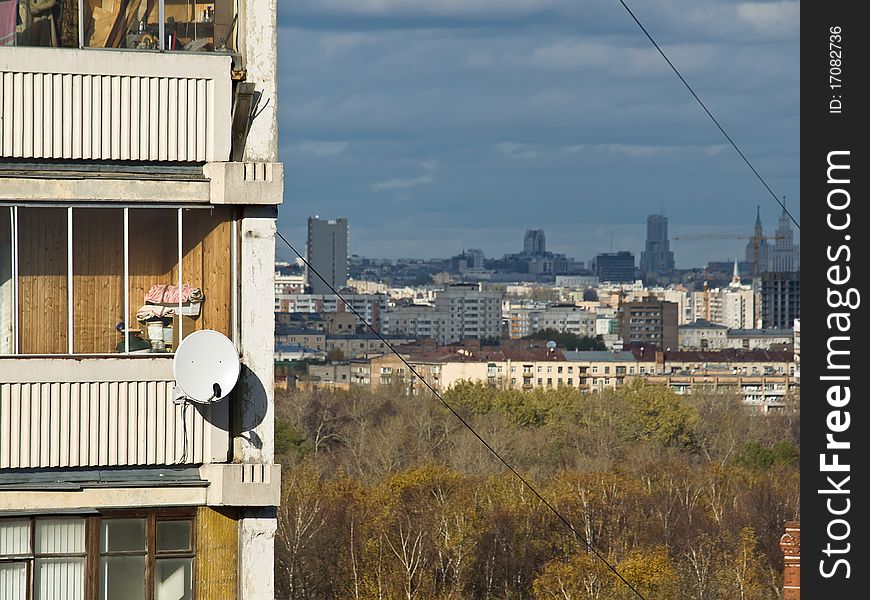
(138, 153)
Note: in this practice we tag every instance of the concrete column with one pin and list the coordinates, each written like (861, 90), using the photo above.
(255, 415)
(261, 63)
(257, 554)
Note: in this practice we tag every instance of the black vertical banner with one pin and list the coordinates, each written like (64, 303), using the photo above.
(835, 420)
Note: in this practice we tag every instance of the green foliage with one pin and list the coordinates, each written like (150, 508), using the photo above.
(756, 456)
(289, 440)
(569, 341)
(664, 416)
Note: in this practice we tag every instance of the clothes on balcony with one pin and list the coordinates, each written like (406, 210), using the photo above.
(168, 294)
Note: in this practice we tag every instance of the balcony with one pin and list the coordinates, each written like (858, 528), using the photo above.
(101, 412)
(81, 104)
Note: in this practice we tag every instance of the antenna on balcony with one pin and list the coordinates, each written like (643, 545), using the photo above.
(206, 367)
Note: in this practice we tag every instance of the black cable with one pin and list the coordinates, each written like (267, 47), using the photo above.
(461, 420)
(722, 129)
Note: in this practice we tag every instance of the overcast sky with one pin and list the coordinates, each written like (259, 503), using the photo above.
(437, 124)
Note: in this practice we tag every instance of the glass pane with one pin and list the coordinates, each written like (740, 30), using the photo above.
(173, 579)
(39, 23)
(207, 267)
(200, 26)
(13, 581)
(122, 535)
(59, 579)
(98, 279)
(14, 537)
(60, 536)
(153, 235)
(115, 24)
(122, 577)
(42, 280)
(173, 535)
(5, 272)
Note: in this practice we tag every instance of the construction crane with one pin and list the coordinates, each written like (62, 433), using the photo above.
(734, 236)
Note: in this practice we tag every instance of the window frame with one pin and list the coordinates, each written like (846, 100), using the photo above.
(92, 553)
(235, 253)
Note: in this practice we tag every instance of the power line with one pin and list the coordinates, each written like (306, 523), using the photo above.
(722, 129)
(462, 420)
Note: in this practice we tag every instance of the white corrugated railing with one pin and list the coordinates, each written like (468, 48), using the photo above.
(66, 104)
(100, 413)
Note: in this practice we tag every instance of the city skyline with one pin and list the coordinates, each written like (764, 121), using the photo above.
(437, 126)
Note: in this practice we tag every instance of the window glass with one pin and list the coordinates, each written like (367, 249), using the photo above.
(42, 280)
(13, 580)
(98, 279)
(122, 535)
(153, 261)
(39, 23)
(6, 306)
(122, 577)
(173, 535)
(14, 537)
(173, 579)
(56, 578)
(188, 25)
(60, 536)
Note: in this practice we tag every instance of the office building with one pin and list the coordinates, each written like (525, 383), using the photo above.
(780, 299)
(657, 259)
(327, 254)
(534, 242)
(615, 267)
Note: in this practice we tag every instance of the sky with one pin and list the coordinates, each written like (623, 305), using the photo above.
(438, 125)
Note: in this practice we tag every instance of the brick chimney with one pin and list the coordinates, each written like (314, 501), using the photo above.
(790, 543)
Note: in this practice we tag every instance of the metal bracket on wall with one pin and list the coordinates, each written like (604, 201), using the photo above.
(244, 103)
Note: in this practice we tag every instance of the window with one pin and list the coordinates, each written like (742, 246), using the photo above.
(190, 25)
(85, 275)
(594, 369)
(133, 555)
(558, 369)
(570, 381)
(606, 370)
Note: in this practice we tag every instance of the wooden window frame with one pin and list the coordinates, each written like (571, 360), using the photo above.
(92, 553)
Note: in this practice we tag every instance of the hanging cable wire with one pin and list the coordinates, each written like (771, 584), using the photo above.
(704, 106)
(461, 419)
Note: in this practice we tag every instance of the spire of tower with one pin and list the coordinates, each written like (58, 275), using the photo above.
(735, 278)
(758, 215)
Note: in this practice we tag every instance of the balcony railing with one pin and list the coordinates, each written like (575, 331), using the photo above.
(102, 412)
(70, 104)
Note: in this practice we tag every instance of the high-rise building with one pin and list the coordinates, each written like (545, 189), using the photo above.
(119, 478)
(327, 254)
(757, 249)
(780, 299)
(657, 259)
(534, 243)
(615, 267)
(649, 323)
(784, 256)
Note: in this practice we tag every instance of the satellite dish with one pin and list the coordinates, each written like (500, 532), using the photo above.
(206, 366)
(551, 345)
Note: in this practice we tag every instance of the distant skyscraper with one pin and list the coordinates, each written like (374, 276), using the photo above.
(535, 243)
(657, 259)
(785, 255)
(780, 299)
(615, 267)
(327, 254)
(757, 248)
